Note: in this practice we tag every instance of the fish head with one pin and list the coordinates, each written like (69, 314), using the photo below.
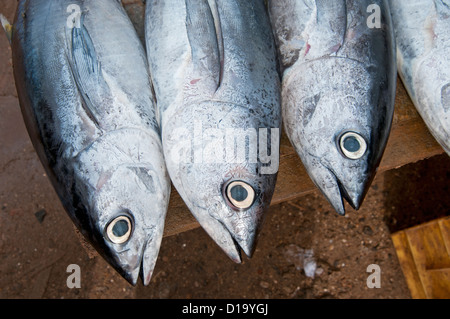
(234, 201)
(214, 161)
(335, 117)
(127, 192)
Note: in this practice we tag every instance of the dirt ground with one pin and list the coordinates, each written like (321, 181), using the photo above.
(305, 249)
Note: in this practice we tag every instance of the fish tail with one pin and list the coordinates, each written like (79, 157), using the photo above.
(7, 27)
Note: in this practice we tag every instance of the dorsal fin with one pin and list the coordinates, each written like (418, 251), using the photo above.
(7, 27)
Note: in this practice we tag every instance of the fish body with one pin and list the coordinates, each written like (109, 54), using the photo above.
(85, 93)
(338, 66)
(214, 69)
(422, 29)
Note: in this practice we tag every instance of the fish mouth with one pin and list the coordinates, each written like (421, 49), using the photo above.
(220, 234)
(247, 245)
(245, 242)
(148, 260)
(335, 191)
(144, 263)
(355, 199)
(242, 236)
(233, 230)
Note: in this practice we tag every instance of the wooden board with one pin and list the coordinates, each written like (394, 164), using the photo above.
(424, 255)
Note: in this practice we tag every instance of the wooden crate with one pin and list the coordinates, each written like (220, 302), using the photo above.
(424, 255)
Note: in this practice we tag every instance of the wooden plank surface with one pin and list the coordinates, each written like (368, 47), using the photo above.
(444, 225)
(425, 260)
(408, 265)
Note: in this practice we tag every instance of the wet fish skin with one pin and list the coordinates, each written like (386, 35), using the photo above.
(213, 65)
(422, 29)
(87, 103)
(339, 76)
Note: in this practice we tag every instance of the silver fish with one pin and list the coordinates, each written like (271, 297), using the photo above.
(213, 65)
(339, 76)
(85, 93)
(422, 29)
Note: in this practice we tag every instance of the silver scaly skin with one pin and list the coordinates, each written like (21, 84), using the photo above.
(213, 65)
(338, 89)
(86, 98)
(422, 29)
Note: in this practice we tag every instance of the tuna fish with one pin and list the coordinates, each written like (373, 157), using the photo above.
(85, 93)
(422, 29)
(338, 66)
(214, 68)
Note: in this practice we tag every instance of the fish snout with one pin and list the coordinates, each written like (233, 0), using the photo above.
(137, 258)
(337, 187)
(354, 192)
(149, 257)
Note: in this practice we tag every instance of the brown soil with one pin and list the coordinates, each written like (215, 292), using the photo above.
(38, 241)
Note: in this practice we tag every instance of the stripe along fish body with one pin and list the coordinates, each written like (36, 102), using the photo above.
(422, 29)
(339, 74)
(85, 94)
(213, 64)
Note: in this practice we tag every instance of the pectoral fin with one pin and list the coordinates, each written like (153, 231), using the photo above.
(204, 43)
(87, 73)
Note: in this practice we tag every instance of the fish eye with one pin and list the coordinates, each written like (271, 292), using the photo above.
(119, 230)
(352, 145)
(240, 194)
